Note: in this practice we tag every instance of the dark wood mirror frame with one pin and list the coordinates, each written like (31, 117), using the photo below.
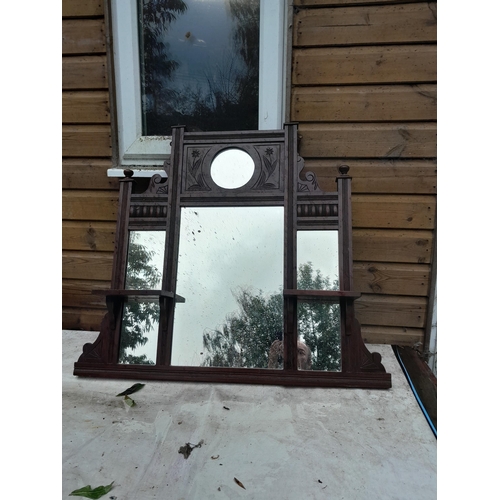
(276, 181)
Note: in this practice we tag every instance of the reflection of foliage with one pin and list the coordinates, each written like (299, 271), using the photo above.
(228, 100)
(246, 336)
(319, 322)
(158, 65)
(139, 317)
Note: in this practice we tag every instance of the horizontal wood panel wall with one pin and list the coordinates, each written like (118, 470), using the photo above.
(89, 197)
(364, 91)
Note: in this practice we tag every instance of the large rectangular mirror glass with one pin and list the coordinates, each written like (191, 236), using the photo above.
(230, 271)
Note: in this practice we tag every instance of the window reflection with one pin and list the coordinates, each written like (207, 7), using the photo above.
(199, 64)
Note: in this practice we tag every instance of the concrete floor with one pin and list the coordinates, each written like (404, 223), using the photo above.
(280, 443)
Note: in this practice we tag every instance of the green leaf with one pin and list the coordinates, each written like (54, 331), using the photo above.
(88, 492)
(131, 390)
(129, 401)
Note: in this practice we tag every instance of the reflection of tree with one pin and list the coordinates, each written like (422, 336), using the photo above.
(246, 336)
(227, 100)
(139, 317)
(319, 322)
(158, 65)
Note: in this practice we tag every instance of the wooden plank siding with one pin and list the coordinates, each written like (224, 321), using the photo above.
(364, 65)
(366, 103)
(87, 173)
(382, 176)
(86, 107)
(82, 8)
(88, 236)
(367, 24)
(89, 197)
(364, 92)
(83, 36)
(343, 3)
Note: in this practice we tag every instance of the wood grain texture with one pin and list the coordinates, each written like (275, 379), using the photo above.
(89, 205)
(362, 140)
(333, 3)
(378, 176)
(78, 293)
(364, 25)
(383, 245)
(392, 279)
(366, 103)
(82, 8)
(392, 335)
(83, 36)
(372, 64)
(84, 72)
(393, 211)
(87, 265)
(86, 140)
(90, 236)
(87, 173)
(391, 310)
(78, 318)
(85, 107)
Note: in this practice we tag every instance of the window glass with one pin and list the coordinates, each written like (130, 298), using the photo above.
(199, 64)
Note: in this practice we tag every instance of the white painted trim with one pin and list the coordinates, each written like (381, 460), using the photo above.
(272, 34)
(137, 150)
(140, 171)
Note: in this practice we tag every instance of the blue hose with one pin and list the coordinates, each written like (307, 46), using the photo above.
(422, 407)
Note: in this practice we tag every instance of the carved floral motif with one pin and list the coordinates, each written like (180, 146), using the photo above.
(267, 178)
(195, 180)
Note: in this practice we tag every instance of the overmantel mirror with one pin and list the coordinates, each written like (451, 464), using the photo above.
(237, 269)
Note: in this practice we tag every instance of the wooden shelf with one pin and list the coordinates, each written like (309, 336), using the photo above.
(144, 295)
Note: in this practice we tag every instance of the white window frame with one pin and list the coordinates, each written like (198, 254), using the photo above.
(144, 153)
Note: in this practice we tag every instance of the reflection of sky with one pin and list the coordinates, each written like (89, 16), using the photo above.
(221, 250)
(201, 40)
(321, 249)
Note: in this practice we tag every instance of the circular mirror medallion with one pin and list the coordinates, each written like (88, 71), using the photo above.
(232, 168)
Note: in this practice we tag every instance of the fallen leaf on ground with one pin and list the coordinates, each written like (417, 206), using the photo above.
(129, 401)
(88, 492)
(239, 483)
(188, 448)
(131, 390)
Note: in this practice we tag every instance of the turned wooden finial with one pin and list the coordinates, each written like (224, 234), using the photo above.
(343, 169)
